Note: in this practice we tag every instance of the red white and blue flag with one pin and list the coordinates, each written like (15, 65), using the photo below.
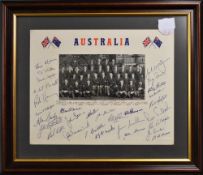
(45, 42)
(146, 42)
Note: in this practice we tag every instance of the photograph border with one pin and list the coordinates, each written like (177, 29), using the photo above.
(96, 92)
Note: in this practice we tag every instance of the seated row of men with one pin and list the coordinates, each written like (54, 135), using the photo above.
(106, 85)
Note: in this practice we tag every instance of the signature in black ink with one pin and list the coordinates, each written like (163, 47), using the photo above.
(92, 112)
(132, 111)
(157, 70)
(160, 99)
(105, 131)
(72, 132)
(71, 109)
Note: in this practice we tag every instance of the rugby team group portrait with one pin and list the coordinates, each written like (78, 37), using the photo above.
(102, 76)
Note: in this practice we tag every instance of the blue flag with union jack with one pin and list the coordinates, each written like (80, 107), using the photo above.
(157, 41)
(56, 42)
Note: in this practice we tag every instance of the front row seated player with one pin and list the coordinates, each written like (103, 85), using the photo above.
(122, 90)
(131, 90)
(88, 89)
(66, 89)
(140, 90)
(76, 90)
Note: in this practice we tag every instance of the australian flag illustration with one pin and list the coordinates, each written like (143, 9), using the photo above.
(157, 42)
(56, 42)
(45, 42)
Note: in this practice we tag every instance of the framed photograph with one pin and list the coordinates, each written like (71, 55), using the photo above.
(102, 87)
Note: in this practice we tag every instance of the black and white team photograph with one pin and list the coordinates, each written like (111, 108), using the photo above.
(101, 76)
